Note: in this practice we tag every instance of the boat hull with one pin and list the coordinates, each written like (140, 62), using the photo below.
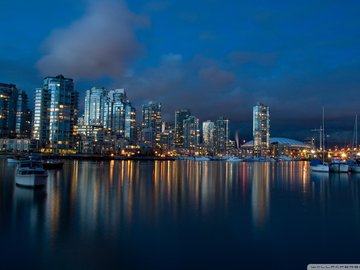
(339, 168)
(355, 169)
(31, 180)
(320, 168)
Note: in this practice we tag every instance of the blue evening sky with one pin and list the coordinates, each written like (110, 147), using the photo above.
(214, 57)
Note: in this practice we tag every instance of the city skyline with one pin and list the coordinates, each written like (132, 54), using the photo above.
(197, 60)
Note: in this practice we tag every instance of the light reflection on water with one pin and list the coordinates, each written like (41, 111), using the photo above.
(160, 204)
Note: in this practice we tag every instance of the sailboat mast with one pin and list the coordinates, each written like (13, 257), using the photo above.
(355, 136)
(323, 133)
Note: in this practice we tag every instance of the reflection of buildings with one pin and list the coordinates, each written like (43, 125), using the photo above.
(261, 129)
(260, 193)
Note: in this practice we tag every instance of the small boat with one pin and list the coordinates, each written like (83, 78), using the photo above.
(338, 167)
(53, 164)
(319, 166)
(30, 173)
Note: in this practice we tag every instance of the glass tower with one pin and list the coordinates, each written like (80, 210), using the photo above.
(261, 129)
(191, 133)
(94, 106)
(119, 115)
(180, 116)
(8, 100)
(208, 130)
(55, 113)
(221, 135)
(151, 119)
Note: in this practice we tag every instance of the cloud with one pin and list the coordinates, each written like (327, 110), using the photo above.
(102, 43)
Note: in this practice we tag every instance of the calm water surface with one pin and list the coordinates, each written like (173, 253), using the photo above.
(180, 215)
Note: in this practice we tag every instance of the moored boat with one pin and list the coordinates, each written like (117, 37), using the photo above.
(339, 167)
(30, 173)
(319, 166)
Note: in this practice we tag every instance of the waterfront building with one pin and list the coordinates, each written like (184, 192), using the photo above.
(151, 121)
(120, 115)
(261, 129)
(15, 116)
(8, 98)
(191, 133)
(55, 114)
(94, 106)
(180, 116)
(221, 136)
(208, 131)
(23, 116)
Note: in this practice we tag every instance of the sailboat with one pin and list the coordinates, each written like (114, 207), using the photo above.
(317, 165)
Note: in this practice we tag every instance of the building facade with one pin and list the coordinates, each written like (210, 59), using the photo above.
(208, 130)
(261, 129)
(191, 133)
(180, 116)
(15, 116)
(221, 136)
(151, 121)
(55, 114)
(94, 106)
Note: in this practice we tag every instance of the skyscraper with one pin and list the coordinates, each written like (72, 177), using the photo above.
(94, 106)
(222, 135)
(119, 114)
(208, 130)
(191, 133)
(15, 116)
(261, 129)
(151, 120)
(23, 116)
(8, 100)
(180, 116)
(55, 113)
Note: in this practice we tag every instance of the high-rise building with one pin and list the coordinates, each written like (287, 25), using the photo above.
(119, 115)
(191, 133)
(180, 116)
(151, 119)
(261, 129)
(208, 130)
(15, 116)
(94, 106)
(222, 135)
(23, 116)
(8, 100)
(55, 113)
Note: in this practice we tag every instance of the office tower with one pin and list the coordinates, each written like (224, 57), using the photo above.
(23, 116)
(180, 116)
(151, 121)
(94, 106)
(261, 129)
(8, 100)
(119, 115)
(191, 133)
(208, 130)
(55, 113)
(221, 135)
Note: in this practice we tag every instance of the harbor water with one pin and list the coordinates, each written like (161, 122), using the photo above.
(179, 215)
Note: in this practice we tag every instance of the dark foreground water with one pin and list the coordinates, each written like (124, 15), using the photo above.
(179, 215)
